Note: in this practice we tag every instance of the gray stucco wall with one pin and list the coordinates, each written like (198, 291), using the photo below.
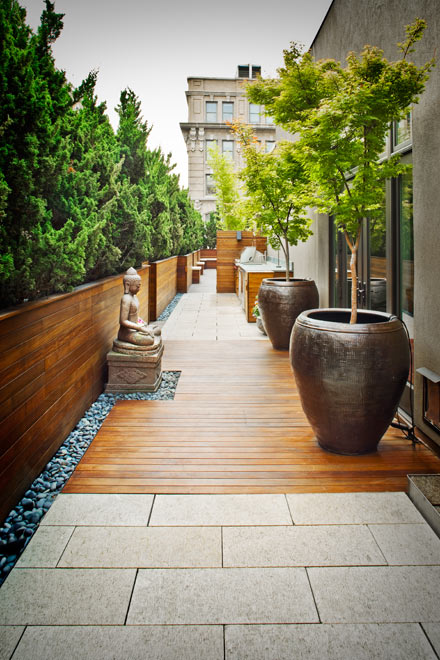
(348, 26)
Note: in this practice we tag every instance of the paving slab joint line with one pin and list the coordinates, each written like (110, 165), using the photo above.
(429, 641)
(288, 507)
(131, 596)
(64, 549)
(151, 510)
(18, 642)
(313, 595)
(387, 563)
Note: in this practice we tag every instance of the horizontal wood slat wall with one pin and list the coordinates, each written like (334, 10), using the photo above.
(163, 285)
(210, 256)
(53, 366)
(184, 272)
(229, 249)
(208, 253)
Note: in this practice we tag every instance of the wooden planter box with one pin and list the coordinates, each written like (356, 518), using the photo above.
(52, 369)
(184, 272)
(163, 285)
(228, 250)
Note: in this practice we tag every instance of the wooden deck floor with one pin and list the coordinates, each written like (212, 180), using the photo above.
(235, 426)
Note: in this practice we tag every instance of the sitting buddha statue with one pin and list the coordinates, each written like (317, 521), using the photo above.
(134, 334)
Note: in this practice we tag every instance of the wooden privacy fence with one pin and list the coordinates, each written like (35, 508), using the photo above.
(229, 248)
(53, 366)
(184, 272)
(163, 285)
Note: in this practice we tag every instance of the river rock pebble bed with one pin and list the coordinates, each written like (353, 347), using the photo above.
(23, 520)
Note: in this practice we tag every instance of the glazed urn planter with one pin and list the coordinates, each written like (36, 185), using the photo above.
(280, 302)
(350, 377)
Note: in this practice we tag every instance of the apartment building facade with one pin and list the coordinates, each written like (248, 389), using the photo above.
(212, 103)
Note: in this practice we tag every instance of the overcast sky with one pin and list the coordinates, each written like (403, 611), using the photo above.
(152, 47)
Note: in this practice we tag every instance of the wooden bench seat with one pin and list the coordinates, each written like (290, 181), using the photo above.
(210, 262)
(196, 270)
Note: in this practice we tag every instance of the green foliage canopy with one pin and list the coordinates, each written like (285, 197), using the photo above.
(226, 189)
(277, 190)
(77, 200)
(342, 116)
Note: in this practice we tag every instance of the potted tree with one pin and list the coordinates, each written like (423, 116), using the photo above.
(351, 366)
(277, 192)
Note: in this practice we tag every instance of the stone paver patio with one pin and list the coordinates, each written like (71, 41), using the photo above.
(259, 577)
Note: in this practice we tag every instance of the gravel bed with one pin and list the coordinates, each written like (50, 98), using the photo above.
(23, 521)
(167, 311)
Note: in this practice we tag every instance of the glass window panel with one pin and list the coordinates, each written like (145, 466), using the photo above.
(227, 111)
(268, 146)
(254, 113)
(211, 111)
(269, 120)
(406, 244)
(228, 148)
(210, 185)
(208, 145)
(402, 130)
(378, 260)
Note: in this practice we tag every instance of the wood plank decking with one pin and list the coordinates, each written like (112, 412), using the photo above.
(235, 426)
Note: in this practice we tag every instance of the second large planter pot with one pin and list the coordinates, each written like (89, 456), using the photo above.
(280, 302)
(350, 377)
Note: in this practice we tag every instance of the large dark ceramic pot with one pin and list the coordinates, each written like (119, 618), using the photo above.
(280, 302)
(350, 377)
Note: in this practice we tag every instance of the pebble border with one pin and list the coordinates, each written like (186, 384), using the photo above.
(22, 522)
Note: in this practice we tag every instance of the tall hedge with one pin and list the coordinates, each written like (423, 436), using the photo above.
(78, 201)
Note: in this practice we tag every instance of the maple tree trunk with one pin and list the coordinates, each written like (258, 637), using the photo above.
(353, 268)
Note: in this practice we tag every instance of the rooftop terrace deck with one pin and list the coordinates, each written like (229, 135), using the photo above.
(235, 426)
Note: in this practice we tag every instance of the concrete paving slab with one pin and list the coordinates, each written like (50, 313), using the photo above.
(127, 547)
(225, 595)
(392, 594)
(9, 638)
(187, 510)
(408, 544)
(352, 508)
(46, 547)
(433, 632)
(121, 643)
(92, 509)
(300, 546)
(329, 642)
(55, 596)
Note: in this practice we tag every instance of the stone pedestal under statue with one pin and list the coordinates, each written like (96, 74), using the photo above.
(134, 370)
(135, 362)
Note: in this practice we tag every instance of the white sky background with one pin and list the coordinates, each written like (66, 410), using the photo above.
(153, 47)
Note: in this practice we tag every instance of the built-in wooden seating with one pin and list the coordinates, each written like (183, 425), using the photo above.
(210, 262)
(196, 271)
(201, 264)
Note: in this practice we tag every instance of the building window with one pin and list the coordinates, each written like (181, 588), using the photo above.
(208, 145)
(227, 111)
(211, 112)
(406, 244)
(269, 145)
(210, 185)
(254, 113)
(269, 120)
(402, 131)
(228, 148)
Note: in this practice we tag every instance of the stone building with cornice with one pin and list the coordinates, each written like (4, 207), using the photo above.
(212, 102)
